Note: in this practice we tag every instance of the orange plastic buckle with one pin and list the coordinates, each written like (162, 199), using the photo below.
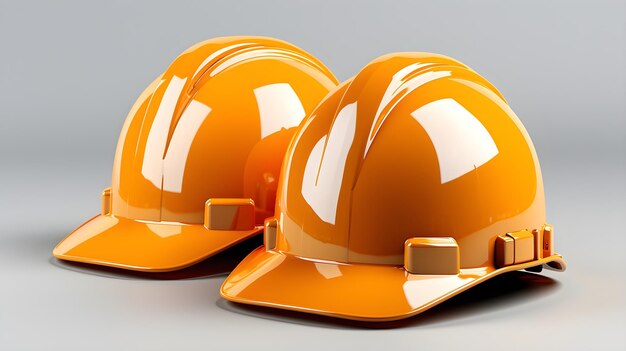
(523, 246)
(547, 246)
(106, 202)
(229, 214)
(269, 233)
(426, 255)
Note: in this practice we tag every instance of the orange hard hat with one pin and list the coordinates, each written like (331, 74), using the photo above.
(199, 156)
(410, 183)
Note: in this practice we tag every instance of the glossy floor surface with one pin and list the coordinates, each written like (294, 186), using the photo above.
(58, 133)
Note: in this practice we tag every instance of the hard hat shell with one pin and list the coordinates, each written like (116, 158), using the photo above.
(417, 149)
(214, 126)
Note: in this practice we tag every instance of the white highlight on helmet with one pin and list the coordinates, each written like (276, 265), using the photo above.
(324, 168)
(268, 265)
(243, 55)
(117, 169)
(399, 85)
(421, 290)
(397, 81)
(180, 144)
(213, 58)
(279, 107)
(165, 230)
(328, 270)
(157, 137)
(461, 141)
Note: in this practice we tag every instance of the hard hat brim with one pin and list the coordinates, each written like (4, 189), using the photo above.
(145, 246)
(352, 291)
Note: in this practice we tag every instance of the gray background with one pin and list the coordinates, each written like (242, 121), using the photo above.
(70, 71)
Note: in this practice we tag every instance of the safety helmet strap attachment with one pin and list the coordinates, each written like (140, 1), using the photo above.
(431, 256)
(229, 214)
(523, 246)
(269, 233)
(106, 201)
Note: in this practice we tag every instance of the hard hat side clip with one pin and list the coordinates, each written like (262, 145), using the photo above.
(229, 214)
(106, 201)
(523, 246)
(269, 233)
(431, 255)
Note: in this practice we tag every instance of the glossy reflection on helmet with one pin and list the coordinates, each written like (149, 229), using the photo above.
(415, 148)
(215, 125)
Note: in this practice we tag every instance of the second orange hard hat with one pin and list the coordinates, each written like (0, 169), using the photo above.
(199, 155)
(410, 183)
